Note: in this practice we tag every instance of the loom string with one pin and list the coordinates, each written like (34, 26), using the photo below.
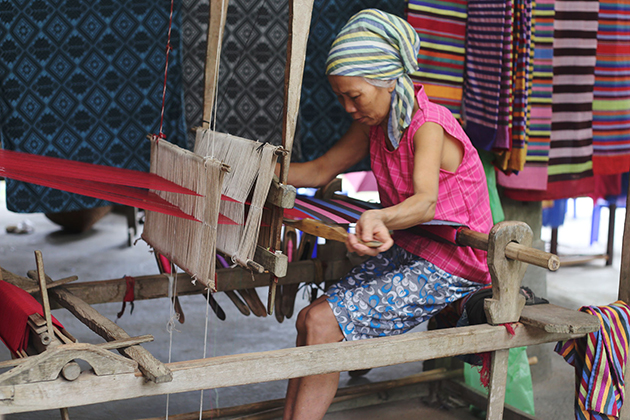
(168, 50)
(170, 323)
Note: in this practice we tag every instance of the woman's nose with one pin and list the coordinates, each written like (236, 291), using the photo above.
(348, 105)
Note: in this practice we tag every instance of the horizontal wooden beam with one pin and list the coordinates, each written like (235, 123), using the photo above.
(155, 286)
(233, 370)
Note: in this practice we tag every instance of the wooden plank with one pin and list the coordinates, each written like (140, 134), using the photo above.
(556, 319)
(351, 391)
(273, 365)
(151, 367)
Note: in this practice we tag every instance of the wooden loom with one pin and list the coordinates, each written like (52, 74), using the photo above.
(26, 388)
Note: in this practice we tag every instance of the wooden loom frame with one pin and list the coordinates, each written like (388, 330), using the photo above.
(535, 325)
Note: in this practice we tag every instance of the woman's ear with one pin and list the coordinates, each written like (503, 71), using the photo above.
(392, 87)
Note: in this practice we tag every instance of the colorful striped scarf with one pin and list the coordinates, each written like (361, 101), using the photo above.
(599, 360)
(378, 45)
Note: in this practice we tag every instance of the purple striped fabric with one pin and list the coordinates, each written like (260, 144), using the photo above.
(488, 73)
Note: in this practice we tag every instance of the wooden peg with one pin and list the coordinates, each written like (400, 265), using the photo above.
(41, 277)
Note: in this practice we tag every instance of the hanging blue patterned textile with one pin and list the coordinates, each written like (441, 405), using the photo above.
(251, 81)
(83, 81)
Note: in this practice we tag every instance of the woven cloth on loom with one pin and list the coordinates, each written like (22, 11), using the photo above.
(441, 27)
(83, 81)
(611, 107)
(343, 210)
(533, 176)
(570, 172)
(16, 306)
(486, 107)
(599, 360)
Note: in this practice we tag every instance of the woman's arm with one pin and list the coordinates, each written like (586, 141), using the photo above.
(429, 143)
(351, 148)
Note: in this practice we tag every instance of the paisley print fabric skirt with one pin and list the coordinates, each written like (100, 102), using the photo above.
(391, 293)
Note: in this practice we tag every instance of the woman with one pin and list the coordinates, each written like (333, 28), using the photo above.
(425, 167)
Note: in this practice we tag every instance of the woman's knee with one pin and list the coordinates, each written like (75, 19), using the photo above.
(320, 325)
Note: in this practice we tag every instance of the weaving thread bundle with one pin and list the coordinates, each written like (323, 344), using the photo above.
(252, 167)
(189, 244)
(122, 186)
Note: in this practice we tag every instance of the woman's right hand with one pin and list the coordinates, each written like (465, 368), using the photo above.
(370, 227)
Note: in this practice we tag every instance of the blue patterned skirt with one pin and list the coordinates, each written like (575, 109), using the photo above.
(391, 293)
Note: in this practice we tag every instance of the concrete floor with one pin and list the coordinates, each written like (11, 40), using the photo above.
(102, 253)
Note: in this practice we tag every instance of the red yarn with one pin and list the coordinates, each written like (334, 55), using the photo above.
(484, 371)
(46, 166)
(15, 307)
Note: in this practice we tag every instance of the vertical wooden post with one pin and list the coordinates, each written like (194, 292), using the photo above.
(216, 25)
(41, 277)
(507, 302)
(624, 287)
(498, 379)
(299, 27)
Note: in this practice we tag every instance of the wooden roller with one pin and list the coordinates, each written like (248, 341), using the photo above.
(513, 250)
(325, 230)
(465, 237)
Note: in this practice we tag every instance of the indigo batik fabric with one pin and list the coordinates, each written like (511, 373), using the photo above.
(83, 81)
(251, 80)
(391, 293)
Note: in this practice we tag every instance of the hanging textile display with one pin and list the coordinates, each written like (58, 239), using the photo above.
(441, 27)
(570, 170)
(533, 176)
(251, 80)
(488, 76)
(611, 105)
(514, 158)
(83, 81)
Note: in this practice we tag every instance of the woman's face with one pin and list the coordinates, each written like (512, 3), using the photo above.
(366, 103)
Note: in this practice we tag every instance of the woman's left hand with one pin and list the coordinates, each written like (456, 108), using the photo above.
(370, 227)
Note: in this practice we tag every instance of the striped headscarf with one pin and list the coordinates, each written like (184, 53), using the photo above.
(379, 45)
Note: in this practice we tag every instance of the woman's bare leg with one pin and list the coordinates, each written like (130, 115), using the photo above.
(309, 397)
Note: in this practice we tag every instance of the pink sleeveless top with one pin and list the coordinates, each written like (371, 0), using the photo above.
(462, 196)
